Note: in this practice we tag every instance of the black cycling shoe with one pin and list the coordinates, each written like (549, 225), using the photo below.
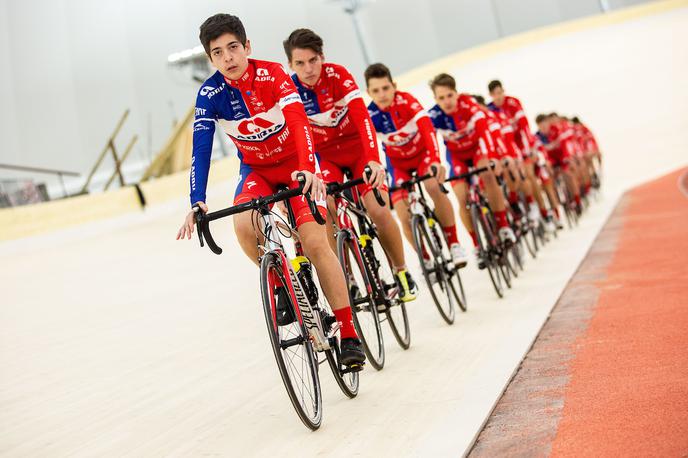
(285, 313)
(351, 352)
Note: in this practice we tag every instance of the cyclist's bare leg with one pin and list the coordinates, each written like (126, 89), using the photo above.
(316, 247)
(535, 183)
(401, 207)
(246, 235)
(492, 189)
(330, 224)
(390, 235)
(443, 207)
(511, 175)
(461, 191)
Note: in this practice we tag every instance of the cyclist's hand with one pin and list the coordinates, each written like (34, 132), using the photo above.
(313, 184)
(189, 222)
(377, 178)
(440, 173)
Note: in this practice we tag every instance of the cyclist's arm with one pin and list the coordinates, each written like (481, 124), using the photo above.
(203, 133)
(427, 133)
(295, 117)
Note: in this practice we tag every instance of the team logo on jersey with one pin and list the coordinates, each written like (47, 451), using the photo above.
(329, 70)
(210, 91)
(254, 126)
(250, 184)
(348, 84)
(263, 75)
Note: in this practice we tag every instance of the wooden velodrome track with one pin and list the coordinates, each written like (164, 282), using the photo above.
(117, 340)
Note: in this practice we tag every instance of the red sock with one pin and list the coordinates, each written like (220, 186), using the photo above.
(543, 213)
(346, 323)
(426, 255)
(501, 219)
(474, 237)
(578, 200)
(450, 233)
(513, 197)
(529, 200)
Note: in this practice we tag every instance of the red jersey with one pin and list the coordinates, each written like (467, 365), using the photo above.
(404, 128)
(263, 115)
(465, 130)
(513, 109)
(337, 113)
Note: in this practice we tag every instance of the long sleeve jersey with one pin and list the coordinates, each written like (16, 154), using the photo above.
(261, 112)
(336, 111)
(464, 130)
(404, 128)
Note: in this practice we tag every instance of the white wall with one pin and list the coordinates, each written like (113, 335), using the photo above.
(71, 67)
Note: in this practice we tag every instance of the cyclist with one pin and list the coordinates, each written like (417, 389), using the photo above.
(410, 144)
(503, 134)
(344, 138)
(513, 110)
(258, 106)
(561, 152)
(463, 126)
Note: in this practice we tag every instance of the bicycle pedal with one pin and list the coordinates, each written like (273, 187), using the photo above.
(353, 368)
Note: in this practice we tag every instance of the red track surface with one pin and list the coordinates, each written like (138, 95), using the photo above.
(608, 374)
(628, 392)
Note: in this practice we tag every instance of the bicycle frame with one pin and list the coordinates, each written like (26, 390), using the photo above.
(305, 311)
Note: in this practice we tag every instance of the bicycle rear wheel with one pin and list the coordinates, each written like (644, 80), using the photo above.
(435, 275)
(362, 299)
(292, 347)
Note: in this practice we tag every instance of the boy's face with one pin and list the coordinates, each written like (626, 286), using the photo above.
(446, 97)
(229, 56)
(497, 95)
(543, 126)
(307, 64)
(382, 91)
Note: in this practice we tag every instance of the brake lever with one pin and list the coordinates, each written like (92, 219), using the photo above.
(198, 217)
(368, 172)
(301, 178)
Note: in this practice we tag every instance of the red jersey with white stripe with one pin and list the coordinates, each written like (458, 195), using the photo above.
(337, 113)
(404, 128)
(263, 115)
(466, 130)
(512, 108)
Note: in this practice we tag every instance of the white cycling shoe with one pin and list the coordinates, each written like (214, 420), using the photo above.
(534, 214)
(550, 227)
(459, 255)
(507, 235)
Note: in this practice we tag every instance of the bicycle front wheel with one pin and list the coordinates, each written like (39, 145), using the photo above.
(434, 271)
(394, 309)
(485, 234)
(296, 361)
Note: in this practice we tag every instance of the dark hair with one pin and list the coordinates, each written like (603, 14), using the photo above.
(479, 98)
(541, 117)
(443, 79)
(494, 84)
(552, 114)
(576, 120)
(377, 70)
(219, 24)
(303, 39)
